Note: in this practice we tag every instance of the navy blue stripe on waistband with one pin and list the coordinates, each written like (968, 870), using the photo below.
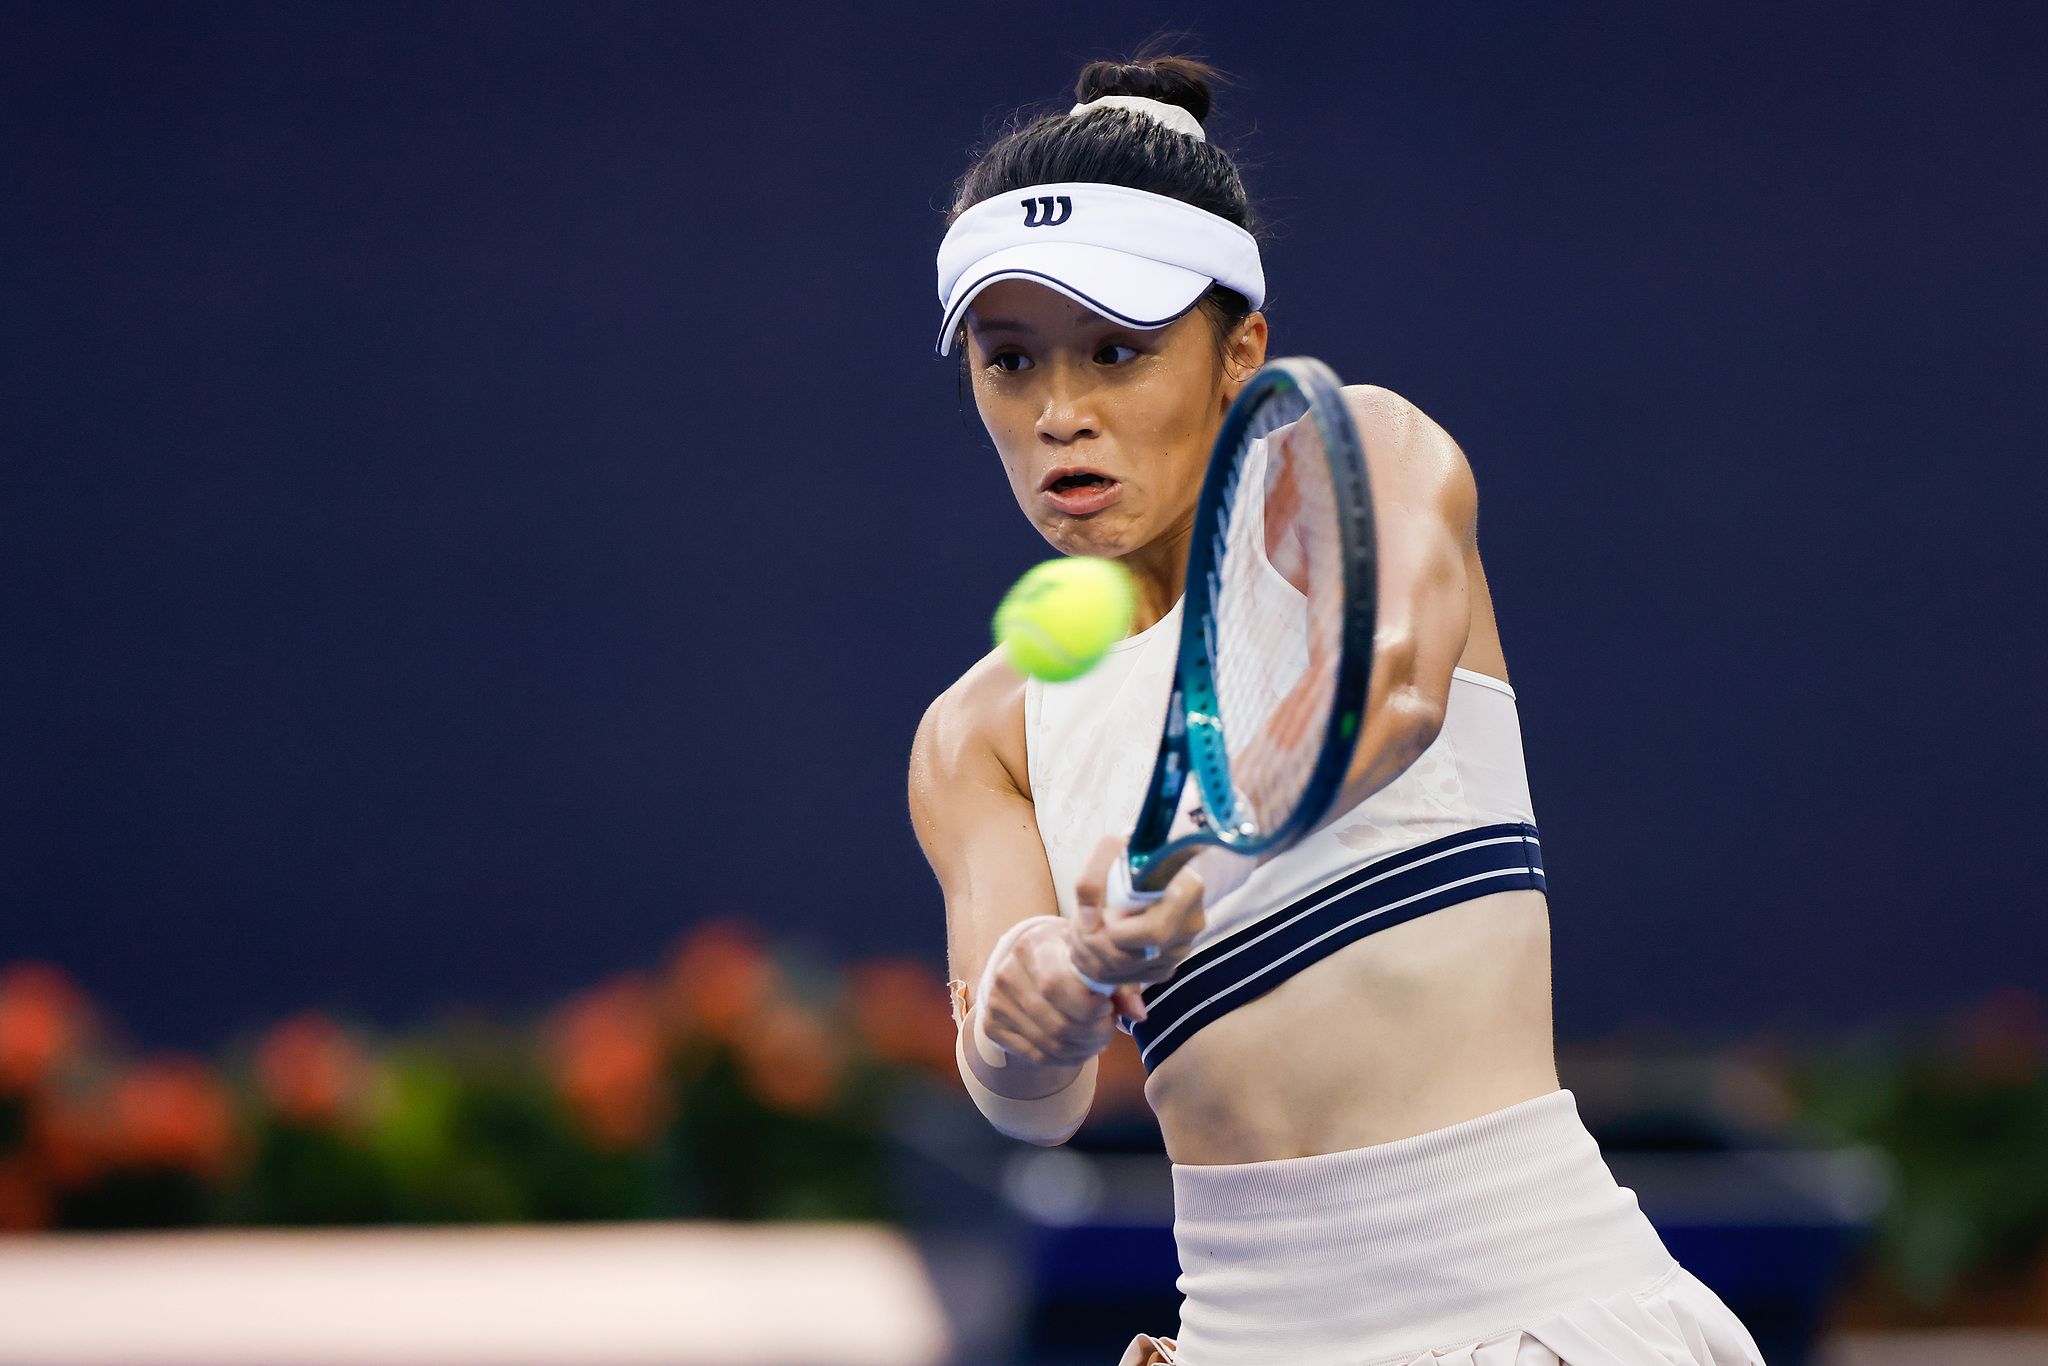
(1246, 965)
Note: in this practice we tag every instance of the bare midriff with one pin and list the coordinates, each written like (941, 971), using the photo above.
(1427, 1024)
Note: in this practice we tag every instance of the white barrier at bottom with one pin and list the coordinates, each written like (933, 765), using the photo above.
(577, 1295)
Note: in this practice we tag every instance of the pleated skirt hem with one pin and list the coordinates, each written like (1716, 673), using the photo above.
(1501, 1241)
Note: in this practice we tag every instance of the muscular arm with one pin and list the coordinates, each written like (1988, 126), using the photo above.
(970, 806)
(1425, 509)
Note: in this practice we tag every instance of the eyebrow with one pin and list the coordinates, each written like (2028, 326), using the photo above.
(998, 325)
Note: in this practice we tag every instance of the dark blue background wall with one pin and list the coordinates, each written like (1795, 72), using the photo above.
(475, 496)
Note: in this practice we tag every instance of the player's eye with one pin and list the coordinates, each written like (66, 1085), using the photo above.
(1114, 354)
(1012, 361)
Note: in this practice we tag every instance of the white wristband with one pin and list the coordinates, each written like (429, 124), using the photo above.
(1044, 1120)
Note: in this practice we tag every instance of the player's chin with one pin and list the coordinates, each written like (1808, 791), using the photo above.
(1109, 534)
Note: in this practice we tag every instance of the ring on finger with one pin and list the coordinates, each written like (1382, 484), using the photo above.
(1151, 952)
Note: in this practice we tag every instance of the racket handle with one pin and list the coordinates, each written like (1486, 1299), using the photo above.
(1120, 895)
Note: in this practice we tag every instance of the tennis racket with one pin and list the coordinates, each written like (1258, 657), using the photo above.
(1276, 635)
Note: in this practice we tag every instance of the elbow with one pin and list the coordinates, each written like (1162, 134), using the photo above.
(1406, 721)
(1411, 714)
(1414, 719)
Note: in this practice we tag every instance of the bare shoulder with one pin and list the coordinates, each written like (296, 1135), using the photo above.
(1412, 458)
(1390, 423)
(972, 737)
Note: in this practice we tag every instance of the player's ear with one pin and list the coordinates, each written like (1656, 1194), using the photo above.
(1244, 353)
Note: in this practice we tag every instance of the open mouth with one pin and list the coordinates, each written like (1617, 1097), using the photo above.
(1076, 493)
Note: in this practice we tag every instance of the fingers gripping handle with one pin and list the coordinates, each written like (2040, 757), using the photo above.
(1121, 895)
(992, 1052)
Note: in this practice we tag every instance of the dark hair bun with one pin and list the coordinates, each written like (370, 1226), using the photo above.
(1170, 80)
(1120, 146)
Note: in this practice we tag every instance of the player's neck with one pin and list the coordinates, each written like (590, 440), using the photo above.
(1159, 575)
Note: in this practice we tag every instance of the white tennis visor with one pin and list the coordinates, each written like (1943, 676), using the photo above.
(1142, 259)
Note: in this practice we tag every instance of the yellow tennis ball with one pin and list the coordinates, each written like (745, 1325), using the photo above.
(1063, 615)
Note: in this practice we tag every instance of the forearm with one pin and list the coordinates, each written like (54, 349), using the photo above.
(1029, 1029)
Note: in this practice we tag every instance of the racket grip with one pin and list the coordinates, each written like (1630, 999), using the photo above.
(1120, 895)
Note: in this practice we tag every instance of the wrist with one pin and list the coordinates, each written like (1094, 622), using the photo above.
(1046, 1119)
(1010, 1075)
(1103, 973)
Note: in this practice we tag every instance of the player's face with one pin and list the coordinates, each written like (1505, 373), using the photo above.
(1103, 429)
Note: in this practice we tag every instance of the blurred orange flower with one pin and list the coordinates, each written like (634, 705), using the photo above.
(43, 1020)
(605, 1050)
(311, 1071)
(904, 1013)
(172, 1112)
(71, 1137)
(2006, 1037)
(791, 1057)
(25, 1204)
(717, 976)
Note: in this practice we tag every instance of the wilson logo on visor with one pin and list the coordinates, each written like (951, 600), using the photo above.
(1033, 218)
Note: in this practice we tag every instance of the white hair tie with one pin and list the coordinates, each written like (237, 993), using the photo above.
(1159, 111)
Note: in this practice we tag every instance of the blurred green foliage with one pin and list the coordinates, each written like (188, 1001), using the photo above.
(459, 1135)
(730, 1085)
(737, 1158)
(1963, 1116)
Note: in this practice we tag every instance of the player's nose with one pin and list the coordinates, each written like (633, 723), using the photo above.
(1071, 411)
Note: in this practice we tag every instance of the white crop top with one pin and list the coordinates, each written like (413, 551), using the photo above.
(1090, 745)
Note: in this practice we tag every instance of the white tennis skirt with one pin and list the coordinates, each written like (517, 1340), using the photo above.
(1502, 1241)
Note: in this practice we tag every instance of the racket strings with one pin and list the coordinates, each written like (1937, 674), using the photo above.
(1276, 632)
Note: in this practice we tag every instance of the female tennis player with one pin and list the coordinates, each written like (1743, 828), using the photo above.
(1373, 1161)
